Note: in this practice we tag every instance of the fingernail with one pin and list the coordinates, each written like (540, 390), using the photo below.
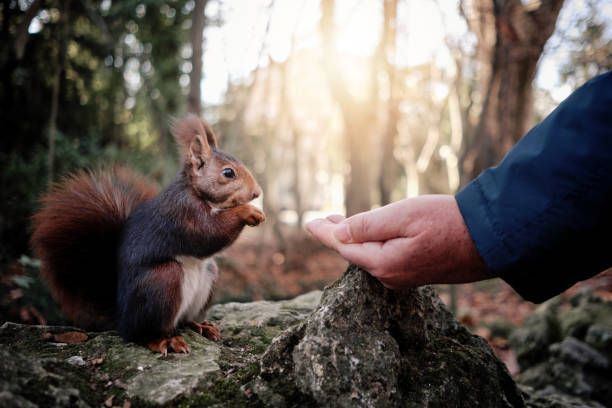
(343, 233)
(310, 224)
(335, 218)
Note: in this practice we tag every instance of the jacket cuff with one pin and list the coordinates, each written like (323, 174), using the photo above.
(489, 241)
(473, 206)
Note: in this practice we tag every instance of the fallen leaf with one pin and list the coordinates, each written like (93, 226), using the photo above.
(15, 294)
(71, 337)
(109, 401)
(96, 361)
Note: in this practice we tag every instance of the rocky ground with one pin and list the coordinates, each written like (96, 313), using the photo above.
(357, 344)
(566, 347)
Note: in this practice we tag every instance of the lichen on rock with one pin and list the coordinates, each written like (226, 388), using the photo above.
(368, 346)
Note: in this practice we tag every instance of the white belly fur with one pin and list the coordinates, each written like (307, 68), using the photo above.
(199, 277)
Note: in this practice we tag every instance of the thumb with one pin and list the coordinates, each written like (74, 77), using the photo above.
(377, 225)
(357, 229)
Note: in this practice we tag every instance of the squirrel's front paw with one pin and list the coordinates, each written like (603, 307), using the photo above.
(253, 216)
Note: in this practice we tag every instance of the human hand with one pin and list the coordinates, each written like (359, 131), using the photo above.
(408, 243)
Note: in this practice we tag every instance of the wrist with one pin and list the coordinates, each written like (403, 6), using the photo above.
(472, 267)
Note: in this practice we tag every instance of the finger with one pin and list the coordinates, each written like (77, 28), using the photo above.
(380, 224)
(367, 254)
(323, 230)
(336, 218)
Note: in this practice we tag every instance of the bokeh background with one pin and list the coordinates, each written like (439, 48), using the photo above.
(337, 106)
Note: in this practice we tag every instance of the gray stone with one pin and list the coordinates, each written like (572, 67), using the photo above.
(541, 329)
(160, 380)
(577, 368)
(368, 346)
(587, 310)
(76, 361)
(550, 397)
(575, 351)
(29, 382)
(236, 316)
(599, 335)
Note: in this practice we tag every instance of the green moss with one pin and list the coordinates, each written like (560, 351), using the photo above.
(254, 339)
(226, 389)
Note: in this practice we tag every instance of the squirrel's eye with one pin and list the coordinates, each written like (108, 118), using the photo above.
(229, 173)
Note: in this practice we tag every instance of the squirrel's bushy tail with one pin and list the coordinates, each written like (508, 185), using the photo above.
(76, 237)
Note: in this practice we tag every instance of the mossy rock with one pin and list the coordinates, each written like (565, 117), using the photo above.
(361, 345)
(569, 348)
(37, 371)
(368, 346)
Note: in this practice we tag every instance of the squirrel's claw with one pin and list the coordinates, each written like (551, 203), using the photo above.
(207, 329)
(159, 346)
(176, 344)
(252, 216)
(179, 345)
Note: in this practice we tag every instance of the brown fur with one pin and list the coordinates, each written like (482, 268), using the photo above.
(80, 218)
(184, 131)
(161, 290)
(108, 243)
(204, 165)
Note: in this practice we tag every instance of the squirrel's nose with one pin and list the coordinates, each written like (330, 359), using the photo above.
(256, 193)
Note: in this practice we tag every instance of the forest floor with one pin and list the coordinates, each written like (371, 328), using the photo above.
(256, 268)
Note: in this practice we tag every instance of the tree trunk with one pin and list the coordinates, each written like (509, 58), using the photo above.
(511, 36)
(60, 64)
(358, 116)
(357, 127)
(387, 174)
(22, 30)
(194, 100)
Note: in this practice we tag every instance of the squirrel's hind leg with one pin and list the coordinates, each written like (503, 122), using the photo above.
(149, 308)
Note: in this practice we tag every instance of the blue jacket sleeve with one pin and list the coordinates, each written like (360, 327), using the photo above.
(542, 219)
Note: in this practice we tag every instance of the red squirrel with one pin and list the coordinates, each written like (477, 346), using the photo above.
(117, 254)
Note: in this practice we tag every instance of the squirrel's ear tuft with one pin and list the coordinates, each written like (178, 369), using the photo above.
(210, 135)
(192, 138)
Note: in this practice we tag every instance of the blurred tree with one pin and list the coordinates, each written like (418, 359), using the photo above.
(198, 21)
(358, 116)
(590, 49)
(425, 141)
(21, 37)
(76, 78)
(511, 37)
(151, 48)
(387, 177)
(60, 68)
